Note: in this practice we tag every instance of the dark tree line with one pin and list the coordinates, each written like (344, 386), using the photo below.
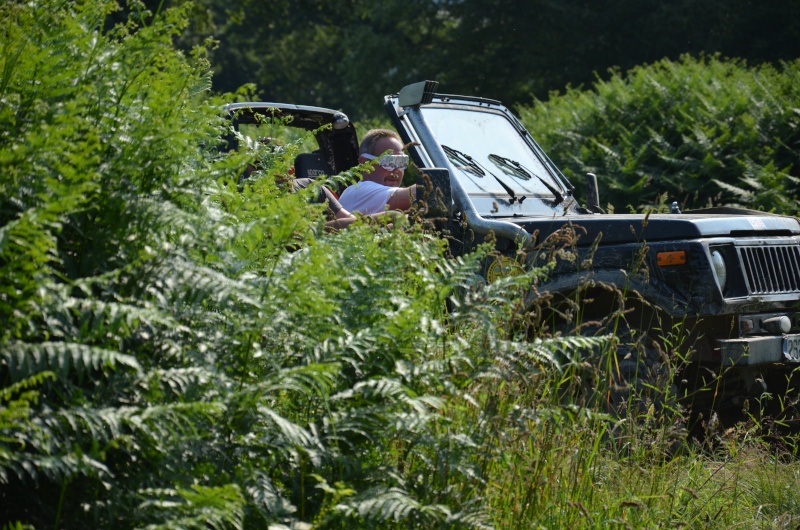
(348, 54)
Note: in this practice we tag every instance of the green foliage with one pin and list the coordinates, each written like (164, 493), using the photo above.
(99, 209)
(179, 350)
(325, 53)
(348, 55)
(700, 131)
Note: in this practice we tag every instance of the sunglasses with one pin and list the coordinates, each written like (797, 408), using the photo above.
(389, 162)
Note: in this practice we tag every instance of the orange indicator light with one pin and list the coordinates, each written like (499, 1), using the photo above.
(669, 259)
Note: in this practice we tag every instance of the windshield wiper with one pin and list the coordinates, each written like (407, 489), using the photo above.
(520, 170)
(463, 161)
(513, 167)
(469, 162)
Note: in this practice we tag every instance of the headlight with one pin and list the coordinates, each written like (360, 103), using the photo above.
(719, 268)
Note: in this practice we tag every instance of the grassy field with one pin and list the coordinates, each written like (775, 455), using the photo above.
(574, 474)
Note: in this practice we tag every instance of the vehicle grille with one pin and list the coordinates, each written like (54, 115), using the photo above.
(771, 269)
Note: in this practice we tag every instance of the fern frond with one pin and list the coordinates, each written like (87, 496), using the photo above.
(380, 389)
(267, 498)
(25, 359)
(200, 508)
(28, 383)
(26, 467)
(315, 379)
(291, 434)
(392, 504)
(118, 318)
(181, 381)
(163, 422)
(203, 285)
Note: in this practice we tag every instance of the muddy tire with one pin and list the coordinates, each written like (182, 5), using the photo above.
(634, 382)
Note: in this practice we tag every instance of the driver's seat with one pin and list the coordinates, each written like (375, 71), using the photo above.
(310, 165)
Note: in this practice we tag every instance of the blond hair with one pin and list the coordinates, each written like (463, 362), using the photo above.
(371, 138)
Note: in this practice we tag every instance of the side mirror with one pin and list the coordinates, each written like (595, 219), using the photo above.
(593, 194)
(434, 193)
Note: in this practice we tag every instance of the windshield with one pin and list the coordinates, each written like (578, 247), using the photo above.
(490, 155)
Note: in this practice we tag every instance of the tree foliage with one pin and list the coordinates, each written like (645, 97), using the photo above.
(347, 55)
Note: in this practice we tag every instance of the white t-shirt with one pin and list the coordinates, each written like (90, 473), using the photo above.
(366, 197)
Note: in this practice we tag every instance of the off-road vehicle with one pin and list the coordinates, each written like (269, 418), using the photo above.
(717, 289)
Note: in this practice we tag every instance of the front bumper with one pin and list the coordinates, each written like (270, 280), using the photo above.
(753, 351)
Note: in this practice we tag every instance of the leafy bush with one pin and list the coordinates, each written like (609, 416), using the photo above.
(177, 353)
(99, 216)
(701, 131)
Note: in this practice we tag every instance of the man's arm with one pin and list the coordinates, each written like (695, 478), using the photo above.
(403, 198)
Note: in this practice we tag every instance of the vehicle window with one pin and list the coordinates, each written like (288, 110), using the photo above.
(281, 134)
(489, 152)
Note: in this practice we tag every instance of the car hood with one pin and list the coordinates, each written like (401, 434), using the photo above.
(661, 227)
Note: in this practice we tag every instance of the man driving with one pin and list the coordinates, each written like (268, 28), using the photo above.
(380, 189)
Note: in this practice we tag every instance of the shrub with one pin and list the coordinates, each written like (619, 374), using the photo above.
(177, 353)
(701, 131)
(102, 364)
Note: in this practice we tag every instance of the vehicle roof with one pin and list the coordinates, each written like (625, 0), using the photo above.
(303, 116)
